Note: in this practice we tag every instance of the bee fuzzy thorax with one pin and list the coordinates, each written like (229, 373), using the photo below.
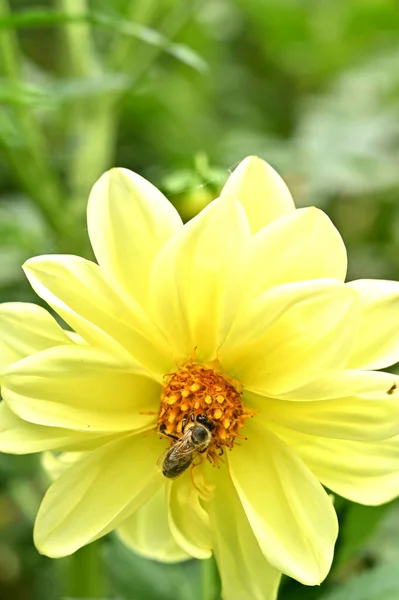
(196, 389)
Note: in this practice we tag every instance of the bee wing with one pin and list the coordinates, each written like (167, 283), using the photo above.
(182, 447)
(180, 455)
(161, 459)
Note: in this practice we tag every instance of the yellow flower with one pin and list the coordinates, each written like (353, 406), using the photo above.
(240, 316)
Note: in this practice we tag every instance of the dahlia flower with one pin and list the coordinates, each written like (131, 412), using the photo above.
(239, 319)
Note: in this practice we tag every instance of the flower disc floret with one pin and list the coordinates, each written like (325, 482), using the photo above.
(195, 389)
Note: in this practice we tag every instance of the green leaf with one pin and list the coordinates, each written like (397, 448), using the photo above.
(383, 545)
(38, 18)
(46, 94)
(22, 234)
(358, 525)
(133, 577)
(70, 89)
(49, 18)
(18, 92)
(382, 583)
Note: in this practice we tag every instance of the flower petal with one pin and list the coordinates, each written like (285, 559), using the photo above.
(261, 191)
(300, 245)
(195, 282)
(20, 437)
(377, 343)
(147, 531)
(291, 515)
(364, 472)
(26, 328)
(96, 494)
(56, 463)
(82, 388)
(244, 571)
(353, 418)
(188, 520)
(96, 308)
(129, 221)
(336, 383)
(290, 335)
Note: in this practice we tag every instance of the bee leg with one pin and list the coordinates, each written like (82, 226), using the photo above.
(184, 423)
(162, 431)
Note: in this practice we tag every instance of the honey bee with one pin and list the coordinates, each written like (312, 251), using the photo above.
(195, 440)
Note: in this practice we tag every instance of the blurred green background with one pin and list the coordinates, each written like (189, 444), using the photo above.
(180, 91)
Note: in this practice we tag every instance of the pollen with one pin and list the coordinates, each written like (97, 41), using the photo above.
(195, 389)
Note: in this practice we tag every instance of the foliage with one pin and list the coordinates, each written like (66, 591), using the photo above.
(180, 92)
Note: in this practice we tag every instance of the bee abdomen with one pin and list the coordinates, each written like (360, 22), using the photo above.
(173, 468)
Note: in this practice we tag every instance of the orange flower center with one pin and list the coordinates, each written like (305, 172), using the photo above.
(195, 389)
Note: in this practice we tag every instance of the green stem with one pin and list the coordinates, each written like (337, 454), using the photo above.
(210, 586)
(174, 21)
(29, 158)
(92, 122)
(81, 55)
(9, 47)
(85, 574)
(123, 49)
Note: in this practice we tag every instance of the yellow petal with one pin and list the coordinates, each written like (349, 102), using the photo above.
(20, 437)
(364, 472)
(188, 520)
(96, 308)
(129, 221)
(300, 245)
(24, 329)
(82, 388)
(56, 463)
(377, 343)
(261, 191)
(352, 418)
(372, 385)
(244, 572)
(147, 531)
(290, 335)
(291, 515)
(96, 494)
(195, 282)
